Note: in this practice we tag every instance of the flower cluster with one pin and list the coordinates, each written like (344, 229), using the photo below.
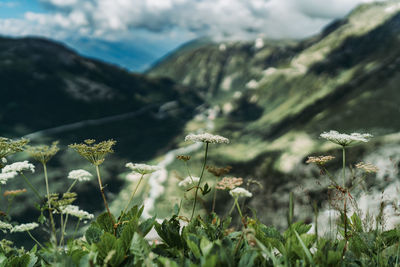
(75, 211)
(218, 172)
(240, 192)
(367, 167)
(207, 138)
(94, 153)
(142, 168)
(188, 182)
(8, 146)
(5, 226)
(229, 183)
(80, 175)
(24, 227)
(19, 167)
(43, 153)
(14, 192)
(345, 139)
(4, 177)
(320, 160)
(183, 157)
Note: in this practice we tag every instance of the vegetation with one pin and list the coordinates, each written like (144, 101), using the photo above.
(208, 240)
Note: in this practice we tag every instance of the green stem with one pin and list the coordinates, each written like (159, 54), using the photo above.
(238, 207)
(130, 199)
(53, 225)
(72, 185)
(344, 166)
(231, 210)
(34, 239)
(198, 185)
(63, 226)
(103, 195)
(10, 201)
(31, 186)
(214, 199)
(76, 228)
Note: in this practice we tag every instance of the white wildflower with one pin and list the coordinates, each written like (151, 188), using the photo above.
(142, 168)
(75, 211)
(240, 192)
(345, 139)
(207, 138)
(24, 227)
(4, 160)
(5, 226)
(6, 176)
(19, 167)
(188, 182)
(80, 175)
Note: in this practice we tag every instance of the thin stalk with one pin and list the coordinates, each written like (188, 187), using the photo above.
(198, 185)
(63, 226)
(103, 195)
(133, 194)
(53, 225)
(10, 201)
(397, 255)
(238, 207)
(214, 199)
(76, 228)
(344, 166)
(72, 185)
(34, 239)
(233, 207)
(31, 186)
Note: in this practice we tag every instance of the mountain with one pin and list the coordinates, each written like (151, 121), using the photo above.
(50, 92)
(273, 99)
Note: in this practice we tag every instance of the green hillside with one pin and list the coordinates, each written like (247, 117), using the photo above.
(274, 101)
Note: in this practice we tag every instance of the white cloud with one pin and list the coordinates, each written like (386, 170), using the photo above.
(219, 18)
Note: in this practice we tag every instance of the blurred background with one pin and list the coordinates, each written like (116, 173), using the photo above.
(270, 75)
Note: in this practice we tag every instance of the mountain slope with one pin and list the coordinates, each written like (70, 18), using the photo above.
(274, 100)
(49, 92)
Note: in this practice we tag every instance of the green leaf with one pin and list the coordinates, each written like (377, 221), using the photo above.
(248, 258)
(305, 249)
(22, 261)
(206, 189)
(205, 246)
(105, 222)
(93, 234)
(145, 227)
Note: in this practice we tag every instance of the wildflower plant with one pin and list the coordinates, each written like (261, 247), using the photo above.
(206, 138)
(9, 147)
(95, 154)
(43, 153)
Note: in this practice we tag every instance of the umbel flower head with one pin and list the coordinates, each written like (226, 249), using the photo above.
(207, 138)
(43, 153)
(14, 192)
(80, 175)
(240, 192)
(320, 160)
(5, 226)
(229, 183)
(4, 177)
(94, 153)
(367, 167)
(188, 182)
(142, 168)
(75, 211)
(19, 167)
(9, 146)
(345, 139)
(24, 227)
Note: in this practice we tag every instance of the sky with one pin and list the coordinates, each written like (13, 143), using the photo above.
(135, 33)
